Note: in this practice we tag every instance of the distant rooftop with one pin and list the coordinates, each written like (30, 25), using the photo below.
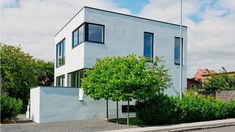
(118, 14)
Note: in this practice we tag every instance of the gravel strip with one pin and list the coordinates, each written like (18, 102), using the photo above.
(65, 126)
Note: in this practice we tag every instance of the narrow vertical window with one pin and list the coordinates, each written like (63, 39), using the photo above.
(81, 35)
(60, 81)
(60, 58)
(148, 45)
(78, 36)
(75, 38)
(177, 51)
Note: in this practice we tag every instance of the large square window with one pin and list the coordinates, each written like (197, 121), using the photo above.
(95, 33)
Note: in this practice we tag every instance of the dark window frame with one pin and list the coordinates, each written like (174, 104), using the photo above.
(77, 29)
(80, 77)
(182, 51)
(151, 58)
(57, 59)
(58, 78)
(87, 32)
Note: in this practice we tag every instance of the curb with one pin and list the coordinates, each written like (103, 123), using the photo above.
(184, 126)
(201, 127)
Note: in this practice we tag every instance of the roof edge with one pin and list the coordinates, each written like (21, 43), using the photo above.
(118, 14)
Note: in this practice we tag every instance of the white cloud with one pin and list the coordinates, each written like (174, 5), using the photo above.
(211, 42)
(35, 22)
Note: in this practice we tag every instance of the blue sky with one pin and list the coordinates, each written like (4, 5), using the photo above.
(211, 28)
(134, 5)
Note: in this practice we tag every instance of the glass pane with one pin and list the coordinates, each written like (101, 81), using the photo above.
(75, 38)
(95, 33)
(81, 34)
(148, 45)
(177, 51)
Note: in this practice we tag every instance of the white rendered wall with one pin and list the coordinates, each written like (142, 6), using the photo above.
(35, 104)
(63, 104)
(123, 35)
(74, 57)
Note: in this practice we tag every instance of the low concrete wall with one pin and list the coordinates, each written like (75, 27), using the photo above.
(226, 95)
(223, 95)
(50, 104)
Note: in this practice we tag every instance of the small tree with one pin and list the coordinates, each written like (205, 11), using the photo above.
(126, 79)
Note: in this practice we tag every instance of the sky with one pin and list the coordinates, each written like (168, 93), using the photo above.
(32, 24)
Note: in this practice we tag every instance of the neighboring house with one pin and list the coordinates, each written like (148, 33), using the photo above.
(197, 80)
(199, 75)
(94, 33)
(192, 83)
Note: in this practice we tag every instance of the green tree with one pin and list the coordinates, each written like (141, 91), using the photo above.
(20, 72)
(125, 79)
(221, 81)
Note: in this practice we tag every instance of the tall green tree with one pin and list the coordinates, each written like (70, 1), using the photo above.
(125, 79)
(20, 72)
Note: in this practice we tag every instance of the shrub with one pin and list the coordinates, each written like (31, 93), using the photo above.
(166, 110)
(159, 109)
(10, 107)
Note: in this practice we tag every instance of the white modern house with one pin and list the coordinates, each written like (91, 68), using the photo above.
(95, 33)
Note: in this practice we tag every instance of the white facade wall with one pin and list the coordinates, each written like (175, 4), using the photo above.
(35, 104)
(50, 104)
(123, 35)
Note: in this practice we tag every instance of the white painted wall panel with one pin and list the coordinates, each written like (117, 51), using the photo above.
(35, 104)
(63, 104)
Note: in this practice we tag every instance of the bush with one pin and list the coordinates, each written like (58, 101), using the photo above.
(167, 110)
(10, 107)
(159, 109)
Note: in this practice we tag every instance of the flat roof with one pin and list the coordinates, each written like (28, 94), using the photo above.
(118, 14)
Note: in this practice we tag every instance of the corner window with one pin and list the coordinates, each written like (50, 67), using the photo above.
(88, 32)
(78, 36)
(60, 81)
(95, 33)
(74, 78)
(60, 58)
(177, 51)
(148, 45)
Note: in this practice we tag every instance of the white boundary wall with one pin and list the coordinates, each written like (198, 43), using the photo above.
(51, 104)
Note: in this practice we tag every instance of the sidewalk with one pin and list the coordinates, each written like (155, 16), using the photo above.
(183, 127)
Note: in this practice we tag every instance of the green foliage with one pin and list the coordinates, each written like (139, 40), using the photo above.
(20, 72)
(221, 82)
(192, 108)
(159, 109)
(10, 107)
(125, 78)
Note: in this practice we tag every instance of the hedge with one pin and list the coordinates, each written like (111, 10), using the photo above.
(162, 109)
(10, 107)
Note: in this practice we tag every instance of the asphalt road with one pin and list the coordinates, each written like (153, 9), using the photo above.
(220, 129)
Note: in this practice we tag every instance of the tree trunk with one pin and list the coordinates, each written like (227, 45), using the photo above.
(117, 111)
(128, 104)
(107, 109)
